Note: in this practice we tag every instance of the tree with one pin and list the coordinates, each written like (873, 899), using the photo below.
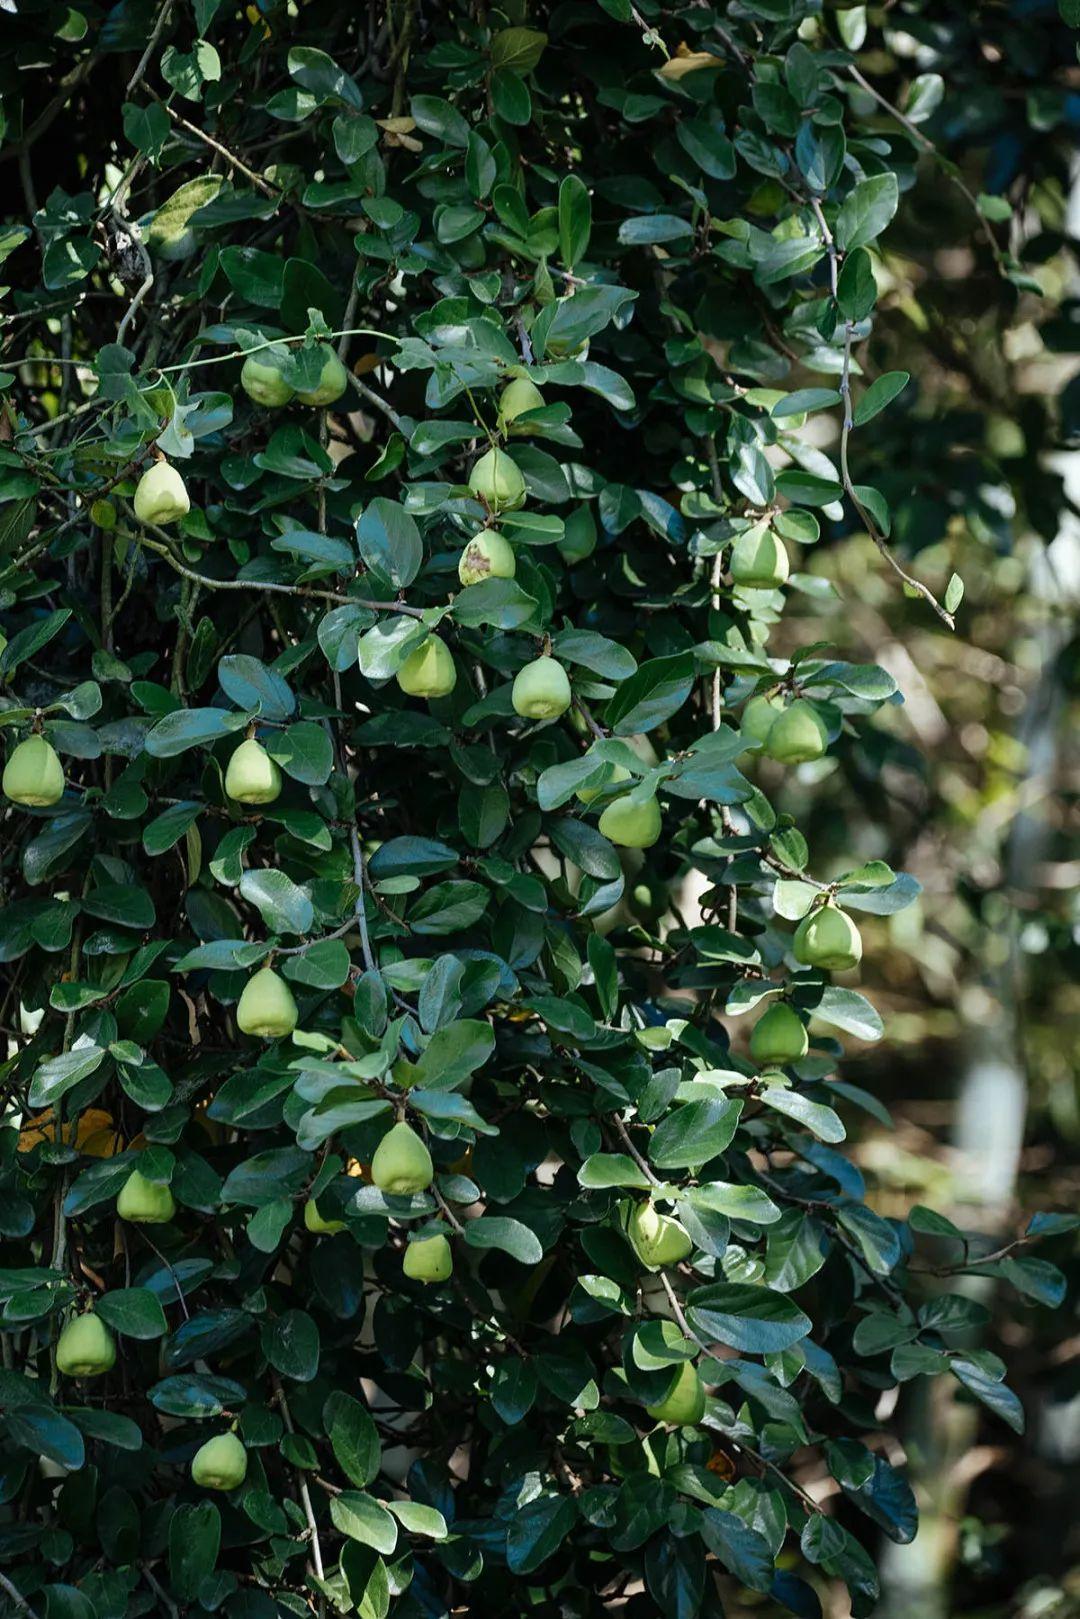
(424, 1184)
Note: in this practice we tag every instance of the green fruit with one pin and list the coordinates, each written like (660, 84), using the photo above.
(684, 1403)
(402, 1164)
(333, 380)
(517, 397)
(778, 1037)
(657, 1239)
(266, 1007)
(758, 718)
(487, 556)
(799, 734)
(315, 1223)
(428, 1260)
(161, 495)
(262, 381)
(613, 775)
(541, 690)
(144, 1202)
(634, 826)
(828, 939)
(759, 560)
(649, 898)
(252, 776)
(428, 671)
(85, 1348)
(34, 775)
(497, 483)
(220, 1464)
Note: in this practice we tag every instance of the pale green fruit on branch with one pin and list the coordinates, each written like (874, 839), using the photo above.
(634, 826)
(657, 1239)
(541, 690)
(266, 1008)
(516, 398)
(759, 716)
(798, 735)
(252, 776)
(262, 381)
(161, 495)
(315, 1223)
(759, 560)
(487, 556)
(220, 1464)
(85, 1348)
(613, 775)
(684, 1403)
(828, 939)
(428, 671)
(402, 1164)
(497, 483)
(34, 775)
(430, 1259)
(778, 1037)
(144, 1202)
(333, 380)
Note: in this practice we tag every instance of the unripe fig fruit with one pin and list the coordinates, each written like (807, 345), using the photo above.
(634, 826)
(797, 735)
(497, 483)
(684, 1403)
(614, 774)
(402, 1164)
(487, 556)
(759, 716)
(266, 1007)
(86, 1347)
(144, 1202)
(220, 1464)
(161, 495)
(428, 1260)
(516, 398)
(34, 775)
(541, 690)
(333, 380)
(778, 1037)
(759, 560)
(828, 939)
(262, 381)
(429, 670)
(252, 776)
(657, 1239)
(315, 1223)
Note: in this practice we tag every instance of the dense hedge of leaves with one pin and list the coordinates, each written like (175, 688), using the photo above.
(667, 220)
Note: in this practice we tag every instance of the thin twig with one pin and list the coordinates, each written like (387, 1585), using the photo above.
(151, 46)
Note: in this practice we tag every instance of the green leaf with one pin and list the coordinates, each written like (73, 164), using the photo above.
(575, 214)
(363, 1518)
(133, 1311)
(694, 1133)
(389, 542)
(511, 1236)
(879, 394)
(283, 905)
(194, 1543)
(353, 1437)
(754, 1320)
(866, 211)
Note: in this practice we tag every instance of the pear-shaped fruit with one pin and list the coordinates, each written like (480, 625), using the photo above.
(34, 775)
(684, 1403)
(315, 1222)
(516, 398)
(759, 560)
(161, 495)
(759, 716)
(266, 1007)
(144, 1202)
(612, 776)
(333, 380)
(649, 898)
(86, 1347)
(634, 826)
(778, 1037)
(220, 1464)
(262, 381)
(828, 939)
(497, 483)
(402, 1164)
(430, 1259)
(487, 556)
(797, 735)
(252, 776)
(541, 690)
(429, 670)
(657, 1239)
